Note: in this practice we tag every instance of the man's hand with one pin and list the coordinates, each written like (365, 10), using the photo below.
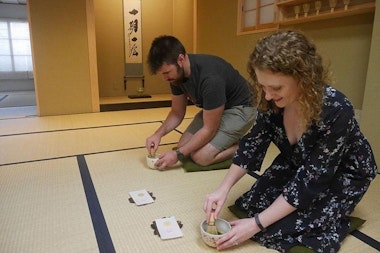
(152, 142)
(166, 160)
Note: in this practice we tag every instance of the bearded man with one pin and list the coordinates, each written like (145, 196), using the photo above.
(210, 83)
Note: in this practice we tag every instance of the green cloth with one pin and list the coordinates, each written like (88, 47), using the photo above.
(300, 249)
(355, 222)
(191, 166)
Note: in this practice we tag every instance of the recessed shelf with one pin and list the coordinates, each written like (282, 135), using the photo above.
(286, 14)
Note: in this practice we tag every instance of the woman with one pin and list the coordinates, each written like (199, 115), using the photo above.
(325, 163)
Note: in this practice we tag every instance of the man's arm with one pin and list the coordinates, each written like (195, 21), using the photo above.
(175, 116)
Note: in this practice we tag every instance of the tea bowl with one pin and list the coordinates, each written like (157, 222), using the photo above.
(222, 226)
(151, 160)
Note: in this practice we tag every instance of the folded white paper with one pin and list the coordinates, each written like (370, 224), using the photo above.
(168, 228)
(141, 197)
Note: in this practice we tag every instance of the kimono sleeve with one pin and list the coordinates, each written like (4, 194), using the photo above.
(254, 145)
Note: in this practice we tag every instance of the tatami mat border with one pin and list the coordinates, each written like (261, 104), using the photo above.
(366, 239)
(102, 233)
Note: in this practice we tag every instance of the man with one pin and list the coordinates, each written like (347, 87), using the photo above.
(211, 84)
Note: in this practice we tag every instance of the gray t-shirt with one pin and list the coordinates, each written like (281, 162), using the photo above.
(214, 82)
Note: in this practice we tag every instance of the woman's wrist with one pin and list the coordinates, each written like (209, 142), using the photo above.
(258, 223)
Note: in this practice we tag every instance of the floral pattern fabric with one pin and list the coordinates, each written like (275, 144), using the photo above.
(324, 175)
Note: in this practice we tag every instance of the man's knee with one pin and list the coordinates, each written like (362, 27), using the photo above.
(206, 155)
(210, 155)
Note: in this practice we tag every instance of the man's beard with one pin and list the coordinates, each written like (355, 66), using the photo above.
(181, 77)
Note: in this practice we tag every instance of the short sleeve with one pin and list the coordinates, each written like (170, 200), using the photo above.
(176, 90)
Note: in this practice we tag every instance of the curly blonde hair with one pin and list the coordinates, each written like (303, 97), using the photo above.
(291, 53)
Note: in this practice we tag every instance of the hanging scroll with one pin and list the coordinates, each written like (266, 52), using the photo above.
(133, 38)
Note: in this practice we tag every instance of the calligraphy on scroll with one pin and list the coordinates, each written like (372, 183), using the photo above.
(132, 31)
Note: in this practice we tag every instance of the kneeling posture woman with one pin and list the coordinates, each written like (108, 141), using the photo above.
(325, 163)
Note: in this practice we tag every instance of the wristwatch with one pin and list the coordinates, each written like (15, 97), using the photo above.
(180, 156)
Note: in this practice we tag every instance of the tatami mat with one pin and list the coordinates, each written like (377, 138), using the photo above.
(90, 120)
(184, 125)
(37, 146)
(44, 209)
(46, 205)
(177, 193)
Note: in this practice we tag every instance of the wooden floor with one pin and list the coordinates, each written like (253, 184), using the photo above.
(65, 183)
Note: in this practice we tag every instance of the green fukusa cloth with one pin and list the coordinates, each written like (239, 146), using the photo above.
(355, 222)
(191, 166)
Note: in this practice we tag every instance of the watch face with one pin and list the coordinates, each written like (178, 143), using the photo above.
(180, 156)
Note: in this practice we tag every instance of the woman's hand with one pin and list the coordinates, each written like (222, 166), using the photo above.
(214, 203)
(244, 229)
(241, 231)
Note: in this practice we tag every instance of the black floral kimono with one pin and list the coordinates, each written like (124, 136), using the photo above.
(324, 175)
